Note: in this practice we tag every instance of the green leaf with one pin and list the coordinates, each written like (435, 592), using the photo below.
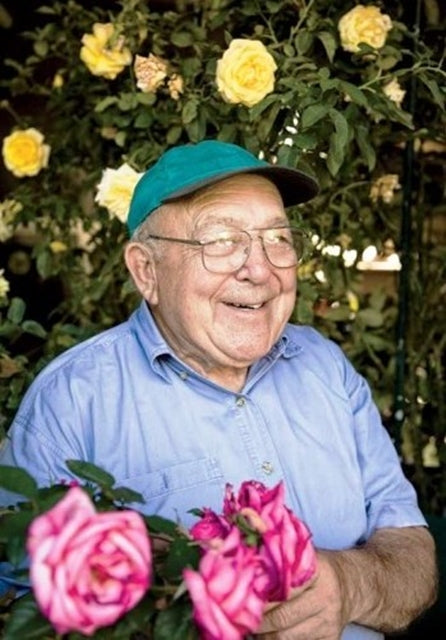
(16, 310)
(354, 93)
(365, 146)
(329, 42)
(41, 48)
(105, 103)
(313, 114)
(34, 328)
(189, 112)
(434, 89)
(370, 317)
(126, 495)
(338, 141)
(173, 134)
(303, 41)
(175, 623)
(90, 472)
(181, 38)
(18, 481)
(181, 553)
(162, 525)
(26, 622)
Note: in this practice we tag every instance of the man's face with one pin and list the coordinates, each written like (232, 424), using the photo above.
(217, 323)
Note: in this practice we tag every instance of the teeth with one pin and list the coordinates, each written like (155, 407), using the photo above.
(246, 306)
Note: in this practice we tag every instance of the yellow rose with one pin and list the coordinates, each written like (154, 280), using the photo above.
(24, 153)
(150, 72)
(115, 190)
(384, 187)
(101, 59)
(363, 24)
(175, 85)
(394, 92)
(245, 73)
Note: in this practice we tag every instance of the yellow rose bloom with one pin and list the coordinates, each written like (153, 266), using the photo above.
(363, 24)
(245, 73)
(384, 187)
(101, 59)
(394, 92)
(115, 190)
(150, 72)
(24, 152)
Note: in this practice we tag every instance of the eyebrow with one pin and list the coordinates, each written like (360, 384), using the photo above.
(279, 221)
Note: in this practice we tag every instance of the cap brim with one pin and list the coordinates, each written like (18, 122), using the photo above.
(294, 186)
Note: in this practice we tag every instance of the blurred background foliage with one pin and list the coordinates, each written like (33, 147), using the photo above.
(327, 114)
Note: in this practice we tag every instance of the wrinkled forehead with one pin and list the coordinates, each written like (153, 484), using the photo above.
(238, 200)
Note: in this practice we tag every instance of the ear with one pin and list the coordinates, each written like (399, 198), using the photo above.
(141, 265)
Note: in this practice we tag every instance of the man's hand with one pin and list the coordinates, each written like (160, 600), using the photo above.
(384, 585)
(313, 611)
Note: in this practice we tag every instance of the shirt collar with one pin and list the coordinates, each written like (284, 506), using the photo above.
(155, 346)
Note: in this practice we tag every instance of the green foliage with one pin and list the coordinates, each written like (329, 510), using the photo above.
(328, 114)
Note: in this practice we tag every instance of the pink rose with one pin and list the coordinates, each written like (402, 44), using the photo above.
(87, 569)
(211, 526)
(226, 603)
(286, 548)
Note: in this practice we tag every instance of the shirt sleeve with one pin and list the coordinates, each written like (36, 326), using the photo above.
(391, 500)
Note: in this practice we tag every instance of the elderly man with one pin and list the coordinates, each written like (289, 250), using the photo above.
(208, 383)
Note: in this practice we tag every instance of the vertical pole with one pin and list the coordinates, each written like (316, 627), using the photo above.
(405, 250)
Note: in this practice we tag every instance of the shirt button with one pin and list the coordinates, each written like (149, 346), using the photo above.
(267, 467)
(183, 375)
(240, 402)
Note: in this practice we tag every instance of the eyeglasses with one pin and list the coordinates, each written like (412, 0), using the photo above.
(227, 250)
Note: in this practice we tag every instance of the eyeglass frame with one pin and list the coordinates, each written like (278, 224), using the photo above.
(203, 243)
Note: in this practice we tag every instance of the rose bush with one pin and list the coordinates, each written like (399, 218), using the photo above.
(245, 72)
(25, 153)
(86, 568)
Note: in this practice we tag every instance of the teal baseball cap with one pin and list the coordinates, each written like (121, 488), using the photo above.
(187, 168)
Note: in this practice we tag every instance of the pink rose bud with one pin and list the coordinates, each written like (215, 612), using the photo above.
(211, 526)
(87, 569)
(226, 603)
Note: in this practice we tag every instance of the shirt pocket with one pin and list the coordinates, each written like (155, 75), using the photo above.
(172, 491)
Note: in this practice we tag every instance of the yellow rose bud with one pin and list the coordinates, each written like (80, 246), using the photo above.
(115, 190)
(57, 246)
(245, 73)
(363, 24)
(175, 86)
(100, 58)
(4, 285)
(24, 152)
(58, 81)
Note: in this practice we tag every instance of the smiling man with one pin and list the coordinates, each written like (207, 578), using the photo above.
(208, 382)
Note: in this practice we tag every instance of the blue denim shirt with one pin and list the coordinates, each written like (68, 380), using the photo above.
(124, 401)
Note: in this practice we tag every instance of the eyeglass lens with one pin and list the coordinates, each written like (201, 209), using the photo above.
(228, 252)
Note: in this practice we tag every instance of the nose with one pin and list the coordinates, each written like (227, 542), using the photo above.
(257, 266)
